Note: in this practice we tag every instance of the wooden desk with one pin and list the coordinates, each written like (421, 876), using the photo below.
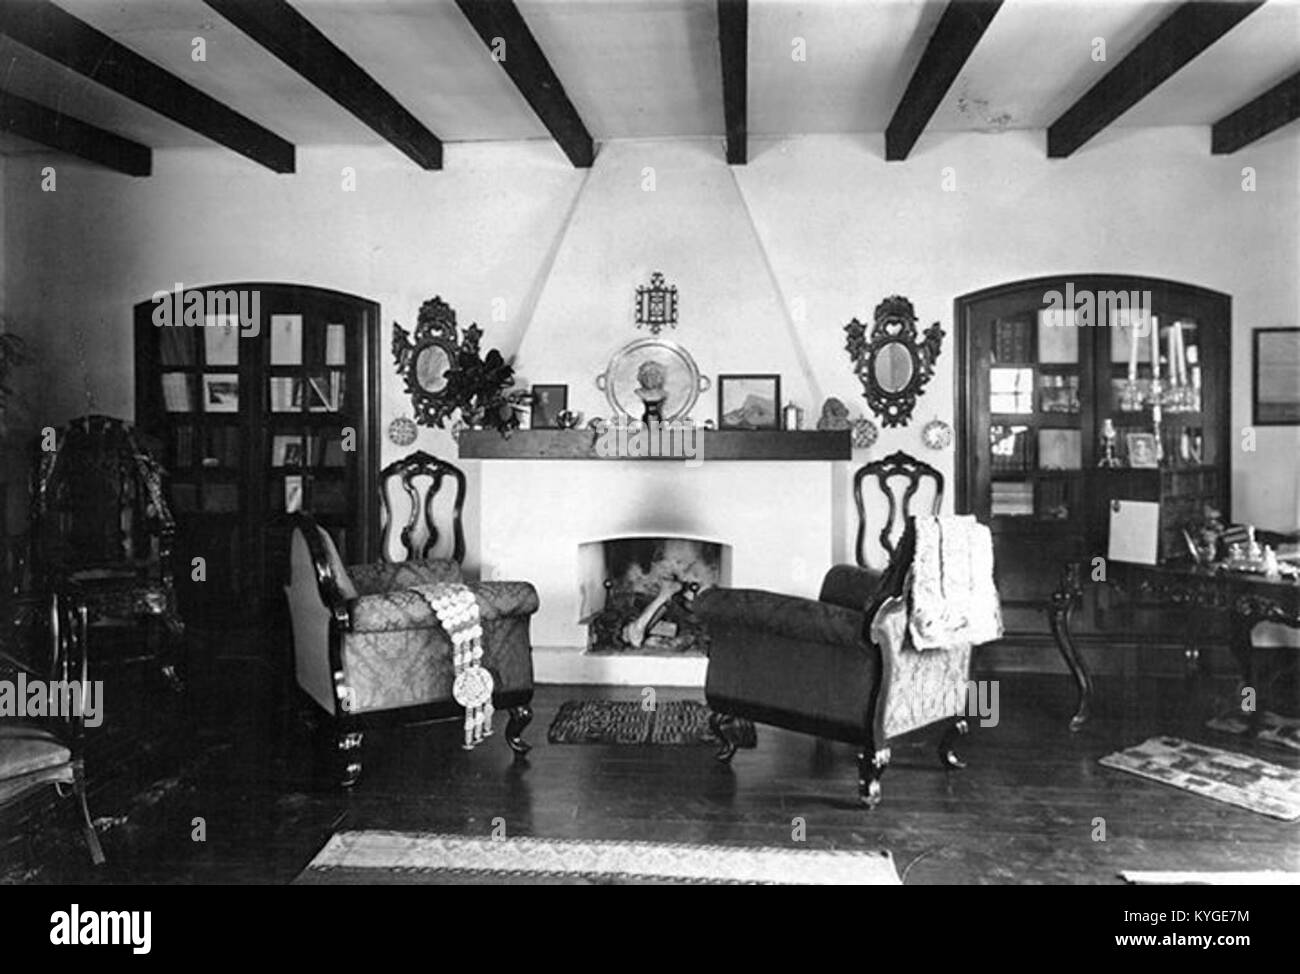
(1249, 598)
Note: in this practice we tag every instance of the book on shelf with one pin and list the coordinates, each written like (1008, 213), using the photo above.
(178, 392)
(221, 339)
(286, 451)
(292, 494)
(335, 349)
(286, 339)
(1011, 340)
(1014, 498)
(286, 394)
(1009, 451)
(176, 346)
(325, 393)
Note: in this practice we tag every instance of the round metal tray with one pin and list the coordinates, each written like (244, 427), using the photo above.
(683, 382)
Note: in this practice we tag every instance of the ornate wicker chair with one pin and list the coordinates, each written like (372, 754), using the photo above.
(101, 533)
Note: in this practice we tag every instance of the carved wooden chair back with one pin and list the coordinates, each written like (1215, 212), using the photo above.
(899, 477)
(419, 534)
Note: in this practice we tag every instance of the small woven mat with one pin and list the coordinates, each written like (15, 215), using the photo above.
(628, 722)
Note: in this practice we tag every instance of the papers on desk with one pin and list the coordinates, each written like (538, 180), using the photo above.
(1134, 531)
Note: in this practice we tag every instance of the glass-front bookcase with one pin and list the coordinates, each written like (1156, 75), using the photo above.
(263, 397)
(1053, 370)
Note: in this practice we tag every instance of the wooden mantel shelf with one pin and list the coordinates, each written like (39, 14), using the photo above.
(580, 444)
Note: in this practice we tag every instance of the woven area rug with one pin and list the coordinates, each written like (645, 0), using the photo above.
(627, 722)
(398, 857)
(1273, 728)
(1266, 877)
(1225, 776)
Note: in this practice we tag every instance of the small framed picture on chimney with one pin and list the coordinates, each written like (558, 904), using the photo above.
(749, 402)
(548, 402)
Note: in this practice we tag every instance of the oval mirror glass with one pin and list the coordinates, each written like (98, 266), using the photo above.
(893, 367)
(431, 365)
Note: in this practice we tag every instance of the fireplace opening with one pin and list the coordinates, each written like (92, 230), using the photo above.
(637, 592)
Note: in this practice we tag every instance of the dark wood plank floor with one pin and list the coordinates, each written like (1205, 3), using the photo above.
(1025, 811)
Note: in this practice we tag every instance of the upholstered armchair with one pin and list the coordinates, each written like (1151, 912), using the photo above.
(815, 666)
(368, 649)
(43, 751)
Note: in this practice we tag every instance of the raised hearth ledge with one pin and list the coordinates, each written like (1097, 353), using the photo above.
(571, 665)
(580, 444)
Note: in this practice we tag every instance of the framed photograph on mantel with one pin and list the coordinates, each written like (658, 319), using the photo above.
(548, 402)
(1275, 386)
(749, 402)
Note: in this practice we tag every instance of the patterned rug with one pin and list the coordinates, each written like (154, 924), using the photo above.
(627, 722)
(1273, 728)
(396, 857)
(1237, 779)
(1266, 877)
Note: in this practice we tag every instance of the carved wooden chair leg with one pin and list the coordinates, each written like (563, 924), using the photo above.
(947, 756)
(92, 837)
(871, 767)
(718, 723)
(520, 717)
(348, 747)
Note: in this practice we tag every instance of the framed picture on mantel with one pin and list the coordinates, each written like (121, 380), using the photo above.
(749, 402)
(1276, 377)
(548, 402)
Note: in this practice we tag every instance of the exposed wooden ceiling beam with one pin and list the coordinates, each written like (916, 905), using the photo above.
(56, 34)
(960, 28)
(73, 136)
(733, 41)
(504, 29)
(1185, 33)
(1278, 106)
(297, 42)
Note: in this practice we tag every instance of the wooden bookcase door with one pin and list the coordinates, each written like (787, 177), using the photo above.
(255, 423)
(1033, 394)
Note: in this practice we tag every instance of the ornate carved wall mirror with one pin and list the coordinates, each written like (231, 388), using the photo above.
(425, 359)
(893, 363)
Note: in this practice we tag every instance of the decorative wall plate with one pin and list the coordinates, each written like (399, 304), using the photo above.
(865, 434)
(402, 431)
(677, 379)
(936, 434)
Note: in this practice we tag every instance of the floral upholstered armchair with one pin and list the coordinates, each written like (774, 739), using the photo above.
(368, 647)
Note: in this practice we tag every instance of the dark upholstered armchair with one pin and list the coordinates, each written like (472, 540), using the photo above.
(810, 666)
(792, 662)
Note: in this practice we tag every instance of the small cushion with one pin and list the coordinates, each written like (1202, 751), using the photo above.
(25, 749)
(850, 586)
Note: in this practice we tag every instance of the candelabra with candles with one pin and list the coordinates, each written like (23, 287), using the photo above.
(1180, 393)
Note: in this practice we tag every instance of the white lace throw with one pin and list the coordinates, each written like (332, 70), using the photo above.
(953, 594)
(457, 610)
